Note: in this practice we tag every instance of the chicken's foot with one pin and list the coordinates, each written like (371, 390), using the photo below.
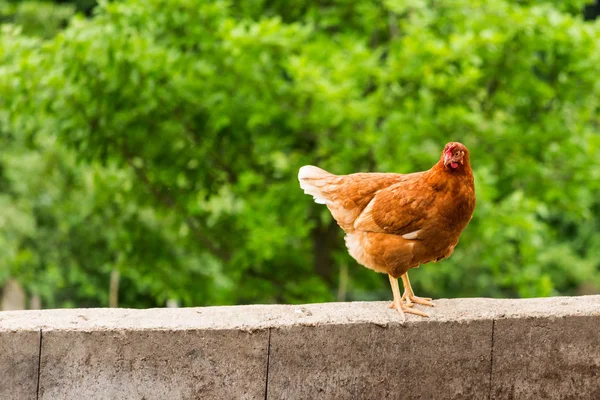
(409, 295)
(397, 303)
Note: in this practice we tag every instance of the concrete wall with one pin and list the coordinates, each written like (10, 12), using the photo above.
(468, 349)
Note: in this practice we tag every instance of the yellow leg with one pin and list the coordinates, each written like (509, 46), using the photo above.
(409, 295)
(397, 303)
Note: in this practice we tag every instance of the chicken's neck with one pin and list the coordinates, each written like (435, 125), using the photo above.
(439, 176)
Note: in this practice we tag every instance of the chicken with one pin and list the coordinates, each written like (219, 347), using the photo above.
(395, 222)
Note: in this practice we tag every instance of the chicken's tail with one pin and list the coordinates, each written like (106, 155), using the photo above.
(313, 180)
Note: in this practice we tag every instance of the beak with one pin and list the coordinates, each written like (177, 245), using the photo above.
(448, 155)
(447, 159)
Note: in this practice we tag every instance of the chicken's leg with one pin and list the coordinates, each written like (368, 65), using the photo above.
(397, 303)
(409, 295)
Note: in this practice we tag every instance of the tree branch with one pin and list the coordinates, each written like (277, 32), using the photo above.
(168, 201)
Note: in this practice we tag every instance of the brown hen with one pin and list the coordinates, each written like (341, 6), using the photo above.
(394, 222)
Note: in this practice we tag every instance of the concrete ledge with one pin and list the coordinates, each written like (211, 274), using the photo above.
(19, 362)
(468, 348)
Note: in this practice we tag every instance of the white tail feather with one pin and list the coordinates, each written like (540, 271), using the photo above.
(311, 180)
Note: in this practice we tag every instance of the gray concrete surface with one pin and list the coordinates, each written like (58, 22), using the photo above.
(547, 358)
(19, 359)
(360, 361)
(468, 348)
(153, 364)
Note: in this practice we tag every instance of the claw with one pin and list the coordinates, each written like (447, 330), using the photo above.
(401, 308)
(398, 305)
(411, 300)
(409, 295)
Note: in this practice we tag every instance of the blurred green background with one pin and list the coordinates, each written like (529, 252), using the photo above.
(149, 148)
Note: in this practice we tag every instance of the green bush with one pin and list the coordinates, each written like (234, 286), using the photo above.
(36, 18)
(164, 138)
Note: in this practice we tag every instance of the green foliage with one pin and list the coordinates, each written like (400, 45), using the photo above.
(36, 18)
(162, 138)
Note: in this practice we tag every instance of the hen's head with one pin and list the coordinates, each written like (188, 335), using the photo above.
(455, 156)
